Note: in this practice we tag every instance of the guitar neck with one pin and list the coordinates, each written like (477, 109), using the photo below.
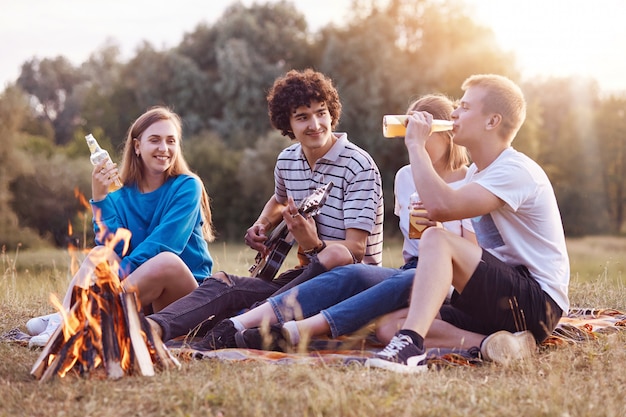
(278, 232)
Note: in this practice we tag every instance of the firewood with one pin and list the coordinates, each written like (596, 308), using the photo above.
(106, 331)
(52, 348)
(163, 355)
(60, 359)
(111, 352)
(140, 350)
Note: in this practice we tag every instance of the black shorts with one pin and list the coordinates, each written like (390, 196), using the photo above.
(502, 297)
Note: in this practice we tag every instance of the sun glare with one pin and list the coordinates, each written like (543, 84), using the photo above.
(561, 37)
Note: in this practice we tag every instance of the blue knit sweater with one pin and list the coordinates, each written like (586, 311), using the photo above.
(166, 219)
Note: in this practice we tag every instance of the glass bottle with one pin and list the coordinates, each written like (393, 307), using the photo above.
(395, 125)
(415, 229)
(98, 155)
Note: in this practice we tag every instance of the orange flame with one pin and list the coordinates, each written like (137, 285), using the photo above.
(81, 198)
(95, 300)
(101, 329)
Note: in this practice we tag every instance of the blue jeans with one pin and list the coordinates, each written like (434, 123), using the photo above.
(348, 297)
(215, 300)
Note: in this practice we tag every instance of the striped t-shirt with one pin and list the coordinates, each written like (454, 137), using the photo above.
(354, 202)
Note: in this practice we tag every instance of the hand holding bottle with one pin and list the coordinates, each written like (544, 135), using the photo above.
(103, 179)
(418, 218)
(105, 176)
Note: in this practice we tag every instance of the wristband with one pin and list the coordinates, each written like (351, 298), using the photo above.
(315, 250)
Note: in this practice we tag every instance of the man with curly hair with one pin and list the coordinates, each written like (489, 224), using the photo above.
(305, 106)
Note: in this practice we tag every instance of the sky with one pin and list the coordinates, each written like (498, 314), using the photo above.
(548, 37)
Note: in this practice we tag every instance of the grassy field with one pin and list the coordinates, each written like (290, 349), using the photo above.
(581, 380)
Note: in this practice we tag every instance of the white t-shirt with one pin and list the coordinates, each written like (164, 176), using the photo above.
(528, 229)
(404, 186)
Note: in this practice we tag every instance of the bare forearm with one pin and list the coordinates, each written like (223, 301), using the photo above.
(271, 214)
(434, 192)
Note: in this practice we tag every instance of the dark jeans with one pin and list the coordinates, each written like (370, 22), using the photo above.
(215, 300)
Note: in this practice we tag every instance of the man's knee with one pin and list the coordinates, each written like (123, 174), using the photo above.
(221, 276)
(439, 239)
(434, 235)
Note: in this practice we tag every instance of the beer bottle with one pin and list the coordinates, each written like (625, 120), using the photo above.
(98, 155)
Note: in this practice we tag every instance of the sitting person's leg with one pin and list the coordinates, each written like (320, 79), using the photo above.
(502, 297)
(222, 295)
(161, 280)
(331, 257)
(324, 291)
(218, 297)
(440, 335)
(494, 297)
(346, 315)
(445, 259)
(304, 300)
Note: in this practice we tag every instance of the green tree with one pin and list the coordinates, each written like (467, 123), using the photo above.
(45, 197)
(217, 165)
(14, 113)
(253, 46)
(568, 151)
(610, 122)
(170, 79)
(105, 107)
(51, 81)
(395, 53)
(255, 175)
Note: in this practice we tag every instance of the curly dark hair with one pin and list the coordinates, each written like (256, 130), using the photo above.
(297, 89)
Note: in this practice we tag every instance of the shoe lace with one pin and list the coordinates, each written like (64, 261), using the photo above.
(396, 344)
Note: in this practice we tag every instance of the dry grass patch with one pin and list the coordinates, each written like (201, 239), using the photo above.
(579, 380)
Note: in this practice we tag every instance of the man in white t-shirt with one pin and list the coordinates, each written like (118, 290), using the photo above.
(514, 285)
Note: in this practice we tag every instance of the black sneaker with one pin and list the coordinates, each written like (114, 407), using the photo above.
(275, 339)
(400, 355)
(221, 336)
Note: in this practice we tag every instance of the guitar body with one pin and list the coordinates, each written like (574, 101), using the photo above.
(266, 267)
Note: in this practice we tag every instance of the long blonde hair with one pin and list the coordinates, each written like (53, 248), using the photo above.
(441, 107)
(132, 166)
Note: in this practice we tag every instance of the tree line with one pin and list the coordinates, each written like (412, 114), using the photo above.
(217, 77)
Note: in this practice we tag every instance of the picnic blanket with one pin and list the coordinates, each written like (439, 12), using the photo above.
(579, 325)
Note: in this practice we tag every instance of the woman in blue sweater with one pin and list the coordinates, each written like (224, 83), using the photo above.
(166, 209)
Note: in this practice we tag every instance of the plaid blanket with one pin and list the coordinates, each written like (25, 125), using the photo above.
(579, 325)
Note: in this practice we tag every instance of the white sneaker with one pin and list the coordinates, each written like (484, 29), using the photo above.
(40, 340)
(36, 325)
(505, 347)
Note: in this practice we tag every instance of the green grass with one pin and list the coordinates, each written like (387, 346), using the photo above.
(580, 380)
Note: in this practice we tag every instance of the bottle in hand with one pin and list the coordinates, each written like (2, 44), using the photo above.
(415, 229)
(98, 155)
(394, 125)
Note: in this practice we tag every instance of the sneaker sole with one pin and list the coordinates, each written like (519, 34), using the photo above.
(505, 347)
(395, 367)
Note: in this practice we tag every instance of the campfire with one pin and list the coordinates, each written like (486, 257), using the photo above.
(105, 334)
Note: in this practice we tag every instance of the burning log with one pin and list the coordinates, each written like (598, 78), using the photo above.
(104, 332)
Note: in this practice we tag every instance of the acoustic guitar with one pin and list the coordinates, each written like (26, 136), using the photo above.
(278, 243)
